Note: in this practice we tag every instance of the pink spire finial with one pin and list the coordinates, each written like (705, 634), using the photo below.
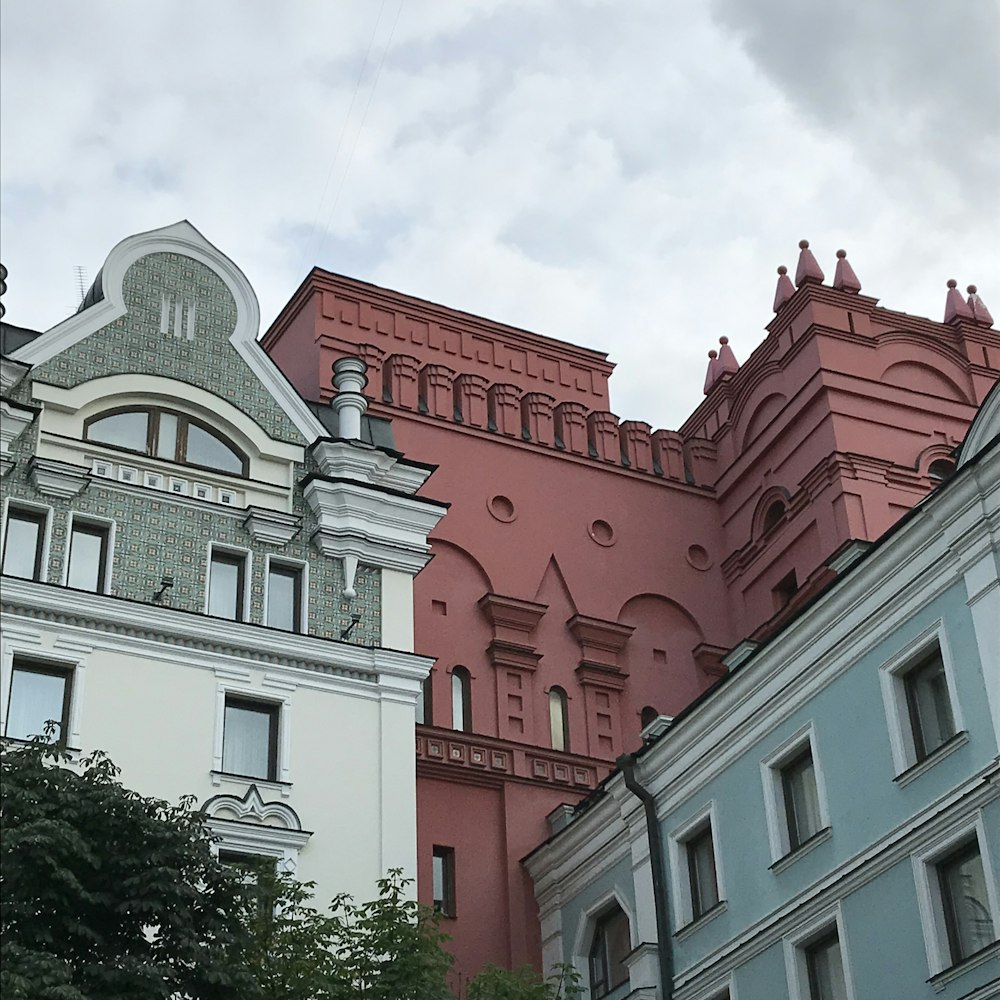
(808, 269)
(727, 360)
(713, 371)
(785, 289)
(955, 307)
(978, 308)
(845, 280)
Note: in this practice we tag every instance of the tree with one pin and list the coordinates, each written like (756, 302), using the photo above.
(494, 983)
(106, 894)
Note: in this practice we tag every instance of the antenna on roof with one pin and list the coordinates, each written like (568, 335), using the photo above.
(81, 281)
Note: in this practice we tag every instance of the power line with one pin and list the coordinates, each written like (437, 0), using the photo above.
(340, 138)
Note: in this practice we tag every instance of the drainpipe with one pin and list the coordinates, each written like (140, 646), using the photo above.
(626, 764)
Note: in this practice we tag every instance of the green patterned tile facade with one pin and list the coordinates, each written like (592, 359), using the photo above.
(134, 343)
(158, 535)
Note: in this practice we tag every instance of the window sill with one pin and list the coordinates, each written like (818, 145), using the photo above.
(949, 746)
(710, 914)
(953, 972)
(821, 837)
(218, 777)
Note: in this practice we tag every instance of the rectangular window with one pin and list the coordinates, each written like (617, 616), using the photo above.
(425, 703)
(962, 884)
(801, 799)
(825, 969)
(226, 584)
(24, 543)
(444, 880)
(928, 705)
(701, 872)
(39, 700)
(88, 557)
(284, 596)
(250, 738)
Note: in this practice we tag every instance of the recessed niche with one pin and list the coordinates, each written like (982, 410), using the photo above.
(602, 532)
(699, 558)
(501, 507)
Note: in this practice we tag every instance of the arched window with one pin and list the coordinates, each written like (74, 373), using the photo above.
(167, 434)
(648, 715)
(772, 517)
(559, 718)
(461, 700)
(425, 703)
(609, 948)
(940, 469)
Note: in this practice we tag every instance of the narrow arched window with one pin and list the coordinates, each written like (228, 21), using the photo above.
(609, 948)
(648, 715)
(461, 700)
(940, 470)
(559, 718)
(775, 512)
(167, 434)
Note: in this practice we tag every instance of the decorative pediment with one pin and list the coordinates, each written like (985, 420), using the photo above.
(58, 479)
(252, 808)
(272, 526)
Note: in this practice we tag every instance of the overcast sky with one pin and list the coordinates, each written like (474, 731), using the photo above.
(623, 174)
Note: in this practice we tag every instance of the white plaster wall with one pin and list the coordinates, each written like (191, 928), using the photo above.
(349, 755)
(397, 610)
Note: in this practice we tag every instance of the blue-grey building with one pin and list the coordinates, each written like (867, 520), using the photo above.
(824, 824)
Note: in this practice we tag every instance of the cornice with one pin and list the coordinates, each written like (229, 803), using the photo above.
(149, 623)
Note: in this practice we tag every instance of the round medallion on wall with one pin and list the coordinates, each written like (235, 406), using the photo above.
(602, 533)
(699, 557)
(502, 508)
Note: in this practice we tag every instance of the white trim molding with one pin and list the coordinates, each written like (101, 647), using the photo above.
(929, 900)
(798, 941)
(677, 845)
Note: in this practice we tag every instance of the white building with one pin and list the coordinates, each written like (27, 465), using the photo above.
(203, 578)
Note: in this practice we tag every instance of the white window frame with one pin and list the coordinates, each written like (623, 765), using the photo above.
(929, 901)
(268, 694)
(111, 525)
(721, 988)
(231, 550)
(798, 941)
(677, 845)
(892, 677)
(29, 647)
(303, 567)
(774, 795)
(47, 512)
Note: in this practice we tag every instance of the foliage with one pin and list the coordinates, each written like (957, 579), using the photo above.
(106, 894)
(385, 949)
(494, 983)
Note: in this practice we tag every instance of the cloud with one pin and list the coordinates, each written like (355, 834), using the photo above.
(624, 182)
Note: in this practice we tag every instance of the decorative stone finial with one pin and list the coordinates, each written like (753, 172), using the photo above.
(785, 289)
(714, 371)
(845, 280)
(808, 269)
(727, 360)
(955, 307)
(978, 308)
(349, 378)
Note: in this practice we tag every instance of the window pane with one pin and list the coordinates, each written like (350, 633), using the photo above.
(619, 947)
(208, 450)
(225, 586)
(86, 558)
(963, 883)
(826, 971)
(127, 430)
(801, 800)
(930, 706)
(248, 740)
(701, 868)
(35, 698)
(166, 437)
(460, 700)
(283, 586)
(443, 874)
(557, 718)
(22, 547)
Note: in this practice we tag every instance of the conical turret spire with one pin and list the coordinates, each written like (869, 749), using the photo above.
(808, 269)
(785, 289)
(713, 371)
(955, 307)
(978, 308)
(845, 279)
(727, 360)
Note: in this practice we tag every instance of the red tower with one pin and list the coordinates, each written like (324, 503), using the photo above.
(592, 573)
